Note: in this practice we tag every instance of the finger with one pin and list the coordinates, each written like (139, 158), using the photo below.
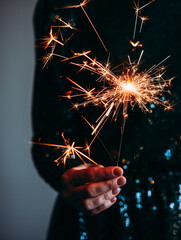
(93, 203)
(67, 176)
(95, 174)
(85, 166)
(95, 189)
(103, 207)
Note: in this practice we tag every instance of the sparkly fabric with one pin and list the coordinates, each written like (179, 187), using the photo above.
(149, 206)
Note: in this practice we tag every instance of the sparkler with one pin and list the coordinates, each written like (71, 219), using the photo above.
(130, 87)
(69, 151)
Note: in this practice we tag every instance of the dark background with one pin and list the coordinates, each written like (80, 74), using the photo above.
(25, 200)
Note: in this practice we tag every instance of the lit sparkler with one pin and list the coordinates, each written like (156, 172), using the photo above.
(132, 87)
(118, 91)
(69, 151)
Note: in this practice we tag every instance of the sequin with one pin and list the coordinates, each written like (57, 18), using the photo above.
(168, 154)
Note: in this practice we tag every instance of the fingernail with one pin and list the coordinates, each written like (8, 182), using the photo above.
(117, 172)
(114, 200)
(121, 181)
(115, 191)
(100, 166)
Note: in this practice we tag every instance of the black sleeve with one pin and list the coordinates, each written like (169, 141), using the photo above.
(50, 114)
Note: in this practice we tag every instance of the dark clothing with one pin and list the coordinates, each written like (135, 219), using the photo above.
(149, 206)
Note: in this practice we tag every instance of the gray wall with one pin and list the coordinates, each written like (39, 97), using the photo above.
(25, 200)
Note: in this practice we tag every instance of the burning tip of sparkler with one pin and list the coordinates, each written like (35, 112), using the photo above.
(128, 87)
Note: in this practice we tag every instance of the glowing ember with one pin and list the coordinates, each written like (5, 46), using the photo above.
(128, 87)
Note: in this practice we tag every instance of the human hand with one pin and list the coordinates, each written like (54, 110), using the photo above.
(92, 189)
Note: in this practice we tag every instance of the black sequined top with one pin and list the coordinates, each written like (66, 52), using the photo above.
(149, 205)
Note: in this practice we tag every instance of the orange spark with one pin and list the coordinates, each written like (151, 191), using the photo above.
(48, 57)
(52, 38)
(69, 151)
(131, 86)
(84, 3)
(66, 25)
(169, 107)
(135, 44)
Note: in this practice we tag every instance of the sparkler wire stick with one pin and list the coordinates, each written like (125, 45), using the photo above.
(122, 130)
(97, 136)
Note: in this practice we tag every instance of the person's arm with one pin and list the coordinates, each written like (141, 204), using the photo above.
(49, 116)
(91, 189)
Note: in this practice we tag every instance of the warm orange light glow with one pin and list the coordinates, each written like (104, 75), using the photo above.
(128, 87)
(69, 151)
(131, 86)
(136, 44)
(52, 38)
(65, 25)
